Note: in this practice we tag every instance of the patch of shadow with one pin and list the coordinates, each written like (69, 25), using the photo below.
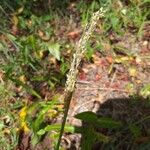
(119, 124)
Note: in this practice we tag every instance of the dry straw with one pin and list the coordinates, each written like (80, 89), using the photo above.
(73, 72)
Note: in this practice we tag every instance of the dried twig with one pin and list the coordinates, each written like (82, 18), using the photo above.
(103, 89)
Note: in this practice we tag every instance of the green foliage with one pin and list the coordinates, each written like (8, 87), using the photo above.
(145, 91)
(118, 15)
(32, 48)
(28, 44)
(38, 117)
(103, 122)
(90, 135)
(55, 127)
(108, 131)
(135, 130)
(8, 118)
(54, 49)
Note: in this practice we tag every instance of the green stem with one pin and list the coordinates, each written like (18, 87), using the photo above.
(67, 101)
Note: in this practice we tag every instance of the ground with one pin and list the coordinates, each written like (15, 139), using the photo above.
(113, 80)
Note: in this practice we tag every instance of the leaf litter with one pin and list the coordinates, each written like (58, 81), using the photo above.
(104, 83)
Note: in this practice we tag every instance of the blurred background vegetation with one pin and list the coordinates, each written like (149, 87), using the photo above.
(37, 40)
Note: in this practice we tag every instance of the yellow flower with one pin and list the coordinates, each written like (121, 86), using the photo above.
(24, 127)
(22, 115)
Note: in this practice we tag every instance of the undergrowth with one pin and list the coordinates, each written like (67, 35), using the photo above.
(34, 57)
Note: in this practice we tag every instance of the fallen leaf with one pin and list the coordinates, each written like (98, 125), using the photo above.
(85, 70)
(14, 29)
(74, 34)
(82, 75)
(138, 60)
(15, 20)
(97, 77)
(145, 43)
(20, 10)
(43, 36)
(40, 33)
(115, 86)
(124, 59)
(132, 71)
(109, 59)
(107, 84)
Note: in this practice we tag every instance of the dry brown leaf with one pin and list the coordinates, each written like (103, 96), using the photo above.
(73, 34)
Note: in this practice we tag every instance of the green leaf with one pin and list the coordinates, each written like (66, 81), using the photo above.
(1, 125)
(11, 37)
(38, 122)
(29, 89)
(114, 21)
(1, 47)
(87, 116)
(108, 123)
(56, 127)
(103, 122)
(35, 139)
(102, 138)
(41, 116)
(64, 67)
(41, 132)
(89, 138)
(145, 91)
(46, 17)
(32, 41)
(38, 78)
(54, 49)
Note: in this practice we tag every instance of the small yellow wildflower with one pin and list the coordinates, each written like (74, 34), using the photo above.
(22, 115)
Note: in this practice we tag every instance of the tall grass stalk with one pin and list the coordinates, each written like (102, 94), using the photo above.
(73, 72)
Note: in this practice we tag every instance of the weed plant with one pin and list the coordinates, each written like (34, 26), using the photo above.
(31, 54)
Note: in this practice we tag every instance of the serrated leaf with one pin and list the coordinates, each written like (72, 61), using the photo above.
(54, 49)
(87, 116)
